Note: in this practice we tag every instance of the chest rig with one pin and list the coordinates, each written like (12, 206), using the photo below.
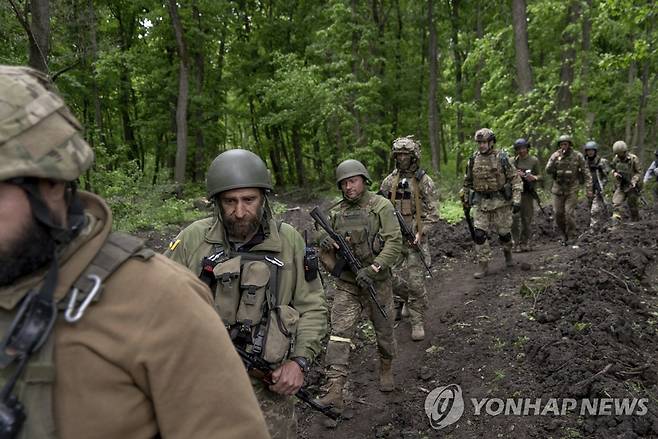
(353, 223)
(405, 196)
(245, 287)
(567, 169)
(488, 173)
(27, 367)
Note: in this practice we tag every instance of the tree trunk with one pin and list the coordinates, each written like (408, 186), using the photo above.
(398, 69)
(521, 49)
(564, 95)
(358, 135)
(632, 73)
(432, 116)
(198, 171)
(40, 28)
(183, 92)
(479, 32)
(98, 111)
(642, 113)
(459, 86)
(421, 81)
(584, 73)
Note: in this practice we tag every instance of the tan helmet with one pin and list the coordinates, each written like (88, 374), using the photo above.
(485, 135)
(619, 147)
(39, 137)
(406, 144)
(564, 138)
(350, 168)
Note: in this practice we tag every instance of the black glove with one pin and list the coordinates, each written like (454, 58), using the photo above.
(365, 276)
(328, 243)
(516, 208)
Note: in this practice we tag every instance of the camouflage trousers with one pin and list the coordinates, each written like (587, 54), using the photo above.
(279, 411)
(618, 198)
(597, 211)
(409, 281)
(564, 207)
(349, 302)
(499, 221)
(522, 221)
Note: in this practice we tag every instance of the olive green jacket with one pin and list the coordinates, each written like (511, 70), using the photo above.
(569, 170)
(197, 240)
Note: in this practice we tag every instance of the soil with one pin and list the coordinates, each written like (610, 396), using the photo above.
(577, 322)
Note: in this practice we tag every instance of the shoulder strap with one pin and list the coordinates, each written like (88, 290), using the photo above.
(420, 173)
(394, 187)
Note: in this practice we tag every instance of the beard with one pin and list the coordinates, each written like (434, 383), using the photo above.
(30, 251)
(241, 229)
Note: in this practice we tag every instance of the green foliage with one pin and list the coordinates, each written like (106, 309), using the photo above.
(451, 211)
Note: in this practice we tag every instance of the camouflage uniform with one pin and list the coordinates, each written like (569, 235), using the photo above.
(568, 170)
(409, 272)
(627, 187)
(599, 168)
(522, 221)
(652, 173)
(492, 186)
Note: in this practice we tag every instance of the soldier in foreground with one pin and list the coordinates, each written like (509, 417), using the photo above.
(493, 187)
(569, 170)
(367, 221)
(105, 338)
(527, 167)
(628, 174)
(273, 309)
(599, 168)
(412, 193)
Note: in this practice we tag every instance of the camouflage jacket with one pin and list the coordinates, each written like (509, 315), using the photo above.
(599, 168)
(568, 170)
(404, 196)
(629, 168)
(487, 175)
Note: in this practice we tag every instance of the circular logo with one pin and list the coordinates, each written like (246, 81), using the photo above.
(444, 406)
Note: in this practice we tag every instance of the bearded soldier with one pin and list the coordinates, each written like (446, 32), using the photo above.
(628, 182)
(137, 350)
(569, 170)
(527, 167)
(411, 191)
(599, 168)
(255, 265)
(493, 187)
(368, 223)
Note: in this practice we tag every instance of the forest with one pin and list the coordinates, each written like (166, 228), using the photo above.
(163, 87)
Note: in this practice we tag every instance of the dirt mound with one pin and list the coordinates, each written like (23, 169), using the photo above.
(595, 332)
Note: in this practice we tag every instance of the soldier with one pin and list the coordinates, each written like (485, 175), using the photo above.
(527, 167)
(568, 169)
(627, 172)
(411, 191)
(653, 172)
(494, 188)
(599, 168)
(138, 350)
(368, 223)
(255, 267)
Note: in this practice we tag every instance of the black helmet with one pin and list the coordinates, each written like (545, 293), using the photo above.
(591, 145)
(521, 143)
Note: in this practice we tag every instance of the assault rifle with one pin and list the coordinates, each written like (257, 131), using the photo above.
(624, 181)
(598, 188)
(345, 253)
(410, 237)
(529, 187)
(467, 214)
(262, 370)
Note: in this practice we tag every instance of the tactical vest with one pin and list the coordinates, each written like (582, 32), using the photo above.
(245, 286)
(488, 172)
(34, 388)
(354, 225)
(567, 170)
(402, 194)
(624, 167)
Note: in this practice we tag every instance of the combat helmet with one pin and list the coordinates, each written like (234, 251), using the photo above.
(39, 136)
(521, 143)
(406, 144)
(235, 169)
(350, 168)
(591, 145)
(485, 135)
(564, 138)
(619, 147)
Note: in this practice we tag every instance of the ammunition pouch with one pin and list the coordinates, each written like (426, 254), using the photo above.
(279, 333)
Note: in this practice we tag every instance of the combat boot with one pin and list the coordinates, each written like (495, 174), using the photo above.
(386, 383)
(484, 270)
(334, 395)
(417, 332)
(405, 311)
(508, 257)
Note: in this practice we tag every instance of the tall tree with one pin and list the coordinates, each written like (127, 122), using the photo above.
(521, 48)
(432, 116)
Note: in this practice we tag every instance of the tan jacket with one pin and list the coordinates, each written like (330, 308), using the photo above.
(150, 357)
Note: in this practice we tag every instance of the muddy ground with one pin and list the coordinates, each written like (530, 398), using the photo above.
(573, 323)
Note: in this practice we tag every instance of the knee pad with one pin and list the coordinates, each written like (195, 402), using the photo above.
(480, 236)
(506, 238)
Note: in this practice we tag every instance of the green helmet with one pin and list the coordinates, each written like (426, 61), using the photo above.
(350, 168)
(406, 144)
(591, 145)
(39, 137)
(485, 135)
(235, 169)
(619, 147)
(564, 138)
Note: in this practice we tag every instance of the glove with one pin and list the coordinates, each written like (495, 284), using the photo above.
(328, 243)
(516, 208)
(365, 276)
(464, 198)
